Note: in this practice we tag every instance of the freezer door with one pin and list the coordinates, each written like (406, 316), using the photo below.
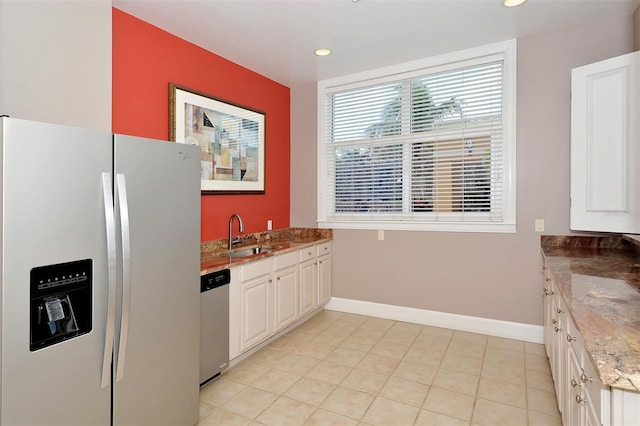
(158, 344)
(53, 213)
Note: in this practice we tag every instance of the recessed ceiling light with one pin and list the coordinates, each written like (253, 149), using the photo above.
(513, 3)
(322, 52)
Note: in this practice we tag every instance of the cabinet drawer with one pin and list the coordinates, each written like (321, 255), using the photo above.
(285, 260)
(255, 269)
(324, 248)
(307, 253)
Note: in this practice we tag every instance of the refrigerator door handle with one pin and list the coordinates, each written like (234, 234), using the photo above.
(123, 207)
(110, 225)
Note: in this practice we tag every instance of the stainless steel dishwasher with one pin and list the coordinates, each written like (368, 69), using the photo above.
(214, 324)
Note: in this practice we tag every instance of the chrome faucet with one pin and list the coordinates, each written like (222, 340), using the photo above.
(237, 240)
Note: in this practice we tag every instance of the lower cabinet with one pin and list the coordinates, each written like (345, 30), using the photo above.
(582, 398)
(268, 295)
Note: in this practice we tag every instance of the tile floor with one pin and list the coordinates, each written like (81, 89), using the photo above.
(345, 369)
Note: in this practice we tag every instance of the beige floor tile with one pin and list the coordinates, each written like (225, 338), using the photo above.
(223, 417)
(445, 333)
(383, 323)
(329, 372)
(541, 419)
(348, 402)
(344, 356)
(539, 380)
(326, 418)
(305, 332)
(365, 381)
(462, 363)
(267, 357)
(313, 349)
(503, 343)
(379, 364)
(296, 364)
(452, 404)
(275, 381)
(537, 362)
(456, 382)
(204, 409)
(405, 391)
(534, 348)
(421, 355)
(400, 336)
(491, 413)
(389, 349)
(250, 402)
(415, 372)
(500, 355)
(330, 338)
(310, 391)
(285, 411)
(245, 372)
(409, 327)
(501, 391)
(430, 418)
(334, 315)
(511, 372)
(543, 402)
(431, 343)
(466, 348)
(359, 343)
(470, 337)
(369, 331)
(387, 412)
(288, 343)
(219, 391)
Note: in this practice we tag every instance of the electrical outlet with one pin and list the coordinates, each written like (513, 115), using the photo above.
(269, 225)
(381, 235)
(539, 225)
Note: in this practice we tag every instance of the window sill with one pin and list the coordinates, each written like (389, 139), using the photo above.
(502, 228)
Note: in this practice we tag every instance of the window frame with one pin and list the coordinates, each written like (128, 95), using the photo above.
(505, 51)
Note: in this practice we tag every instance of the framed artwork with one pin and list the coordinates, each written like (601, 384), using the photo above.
(231, 140)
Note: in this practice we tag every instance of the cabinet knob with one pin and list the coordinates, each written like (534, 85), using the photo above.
(554, 321)
(579, 399)
(585, 379)
(547, 279)
(574, 383)
(558, 310)
(570, 338)
(546, 291)
(557, 329)
(278, 278)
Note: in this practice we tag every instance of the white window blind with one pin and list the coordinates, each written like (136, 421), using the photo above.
(424, 146)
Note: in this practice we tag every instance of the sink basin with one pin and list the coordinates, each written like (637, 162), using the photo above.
(250, 251)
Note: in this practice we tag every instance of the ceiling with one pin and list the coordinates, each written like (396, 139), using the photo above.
(276, 38)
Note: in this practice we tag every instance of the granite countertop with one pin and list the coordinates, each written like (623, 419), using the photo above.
(599, 279)
(214, 255)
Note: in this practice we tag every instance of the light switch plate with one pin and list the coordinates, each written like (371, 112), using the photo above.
(539, 225)
(381, 235)
(269, 225)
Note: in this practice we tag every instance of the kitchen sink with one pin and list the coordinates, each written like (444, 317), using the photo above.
(250, 251)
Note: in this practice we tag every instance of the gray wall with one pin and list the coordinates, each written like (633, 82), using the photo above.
(479, 274)
(56, 61)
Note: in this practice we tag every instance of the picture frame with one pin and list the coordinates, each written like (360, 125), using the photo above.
(231, 139)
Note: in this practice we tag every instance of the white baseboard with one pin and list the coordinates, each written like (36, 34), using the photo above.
(491, 327)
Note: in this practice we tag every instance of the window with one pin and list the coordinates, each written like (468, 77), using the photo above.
(428, 145)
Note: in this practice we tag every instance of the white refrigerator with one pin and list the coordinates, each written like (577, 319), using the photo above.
(100, 308)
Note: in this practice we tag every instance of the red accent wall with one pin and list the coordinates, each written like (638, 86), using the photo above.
(146, 59)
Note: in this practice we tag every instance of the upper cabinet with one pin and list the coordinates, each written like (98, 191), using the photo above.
(605, 139)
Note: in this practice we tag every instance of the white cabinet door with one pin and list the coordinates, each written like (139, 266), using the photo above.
(605, 154)
(324, 279)
(256, 303)
(308, 297)
(285, 286)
